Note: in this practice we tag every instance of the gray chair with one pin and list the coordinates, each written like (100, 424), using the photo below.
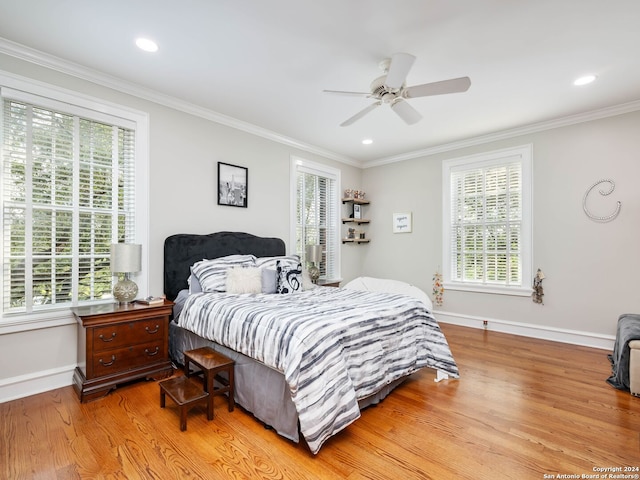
(634, 367)
(625, 360)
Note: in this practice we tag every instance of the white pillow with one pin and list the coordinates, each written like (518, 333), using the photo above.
(212, 274)
(244, 280)
(307, 283)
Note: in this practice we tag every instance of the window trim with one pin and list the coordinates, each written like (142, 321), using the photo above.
(59, 98)
(323, 170)
(525, 154)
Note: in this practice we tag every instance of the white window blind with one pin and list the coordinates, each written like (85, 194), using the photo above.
(487, 221)
(68, 192)
(316, 214)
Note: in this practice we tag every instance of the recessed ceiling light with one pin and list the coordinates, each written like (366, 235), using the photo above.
(367, 141)
(146, 45)
(587, 79)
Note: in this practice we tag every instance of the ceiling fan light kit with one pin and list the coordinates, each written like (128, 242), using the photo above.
(406, 112)
(391, 89)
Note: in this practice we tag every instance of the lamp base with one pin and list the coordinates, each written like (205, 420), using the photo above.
(314, 273)
(125, 291)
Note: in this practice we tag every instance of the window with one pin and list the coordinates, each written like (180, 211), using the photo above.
(487, 222)
(315, 219)
(68, 191)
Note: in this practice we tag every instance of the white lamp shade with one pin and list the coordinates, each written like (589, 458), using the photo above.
(126, 257)
(314, 253)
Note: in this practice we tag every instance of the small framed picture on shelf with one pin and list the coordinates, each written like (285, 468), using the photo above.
(357, 212)
(402, 222)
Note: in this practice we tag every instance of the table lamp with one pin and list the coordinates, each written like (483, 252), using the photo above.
(314, 257)
(125, 259)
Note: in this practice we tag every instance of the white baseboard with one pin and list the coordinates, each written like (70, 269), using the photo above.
(34, 383)
(543, 332)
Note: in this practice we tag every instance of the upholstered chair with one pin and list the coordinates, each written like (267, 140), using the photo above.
(634, 367)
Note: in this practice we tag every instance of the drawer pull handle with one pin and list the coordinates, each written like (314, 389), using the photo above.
(152, 331)
(101, 337)
(113, 359)
(151, 354)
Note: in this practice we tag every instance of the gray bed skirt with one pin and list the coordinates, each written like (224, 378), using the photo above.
(259, 389)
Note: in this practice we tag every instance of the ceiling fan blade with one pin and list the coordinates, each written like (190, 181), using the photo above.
(360, 114)
(399, 68)
(454, 85)
(341, 92)
(406, 112)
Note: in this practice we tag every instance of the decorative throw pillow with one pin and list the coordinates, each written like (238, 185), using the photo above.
(285, 260)
(212, 274)
(269, 280)
(289, 279)
(244, 280)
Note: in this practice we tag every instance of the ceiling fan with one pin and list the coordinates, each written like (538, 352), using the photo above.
(390, 89)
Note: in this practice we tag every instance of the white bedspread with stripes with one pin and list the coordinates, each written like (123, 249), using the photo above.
(334, 346)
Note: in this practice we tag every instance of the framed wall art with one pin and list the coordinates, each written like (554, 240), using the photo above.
(357, 212)
(233, 185)
(402, 222)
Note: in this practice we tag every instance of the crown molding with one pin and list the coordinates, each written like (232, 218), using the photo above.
(52, 62)
(510, 133)
(100, 78)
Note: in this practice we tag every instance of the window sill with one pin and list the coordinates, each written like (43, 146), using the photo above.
(24, 323)
(490, 289)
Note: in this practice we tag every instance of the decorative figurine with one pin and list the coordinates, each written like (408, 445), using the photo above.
(538, 292)
(438, 289)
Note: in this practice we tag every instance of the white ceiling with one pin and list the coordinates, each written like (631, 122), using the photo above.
(266, 62)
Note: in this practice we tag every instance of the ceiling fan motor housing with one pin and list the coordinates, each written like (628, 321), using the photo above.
(380, 91)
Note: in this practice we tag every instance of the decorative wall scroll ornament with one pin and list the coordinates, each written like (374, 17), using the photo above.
(538, 292)
(606, 218)
(438, 289)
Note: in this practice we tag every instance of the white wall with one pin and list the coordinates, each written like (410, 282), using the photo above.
(184, 151)
(183, 183)
(591, 268)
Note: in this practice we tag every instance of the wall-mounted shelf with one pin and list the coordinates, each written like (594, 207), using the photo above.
(356, 201)
(354, 220)
(355, 240)
(355, 212)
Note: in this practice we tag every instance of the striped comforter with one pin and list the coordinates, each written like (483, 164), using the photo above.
(333, 345)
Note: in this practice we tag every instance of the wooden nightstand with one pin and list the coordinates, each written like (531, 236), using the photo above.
(328, 283)
(120, 343)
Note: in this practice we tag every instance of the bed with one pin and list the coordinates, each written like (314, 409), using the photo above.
(307, 362)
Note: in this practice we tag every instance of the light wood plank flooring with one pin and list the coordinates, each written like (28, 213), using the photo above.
(522, 409)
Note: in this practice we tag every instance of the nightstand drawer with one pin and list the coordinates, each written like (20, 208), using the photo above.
(115, 361)
(131, 333)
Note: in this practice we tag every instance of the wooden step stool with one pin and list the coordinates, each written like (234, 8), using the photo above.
(211, 363)
(185, 393)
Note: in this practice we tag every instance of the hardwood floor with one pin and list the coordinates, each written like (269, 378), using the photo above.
(522, 409)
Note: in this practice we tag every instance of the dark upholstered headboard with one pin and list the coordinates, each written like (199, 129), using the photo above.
(183, 250)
